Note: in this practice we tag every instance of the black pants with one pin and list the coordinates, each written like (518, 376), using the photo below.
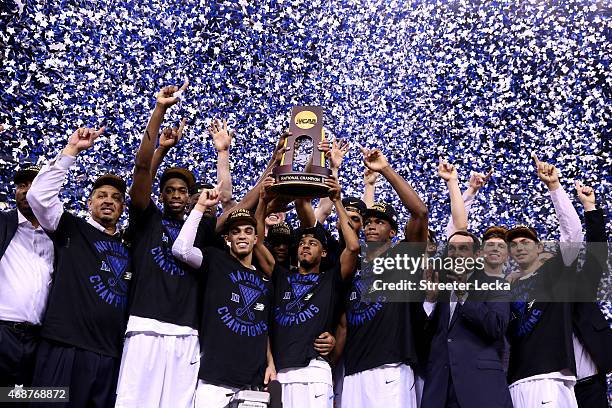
(592, 392)
(91, 377)
(18, 344)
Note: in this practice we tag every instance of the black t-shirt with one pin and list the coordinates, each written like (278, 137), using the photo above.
(303, 309)
(163, 288)
(235, 317)
(540, 328)
(88, 301)
(378, 332)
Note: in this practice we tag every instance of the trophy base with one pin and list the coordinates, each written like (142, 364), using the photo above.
(305, 185)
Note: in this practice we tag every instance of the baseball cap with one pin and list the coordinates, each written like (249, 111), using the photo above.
(495, 231)
(199, 187)
(279, 233)
(27, 172)
(177, 172)
(522, 231)
(110, 179)
(384, 211)
(354, 204)
(240, 216)
(317, 232)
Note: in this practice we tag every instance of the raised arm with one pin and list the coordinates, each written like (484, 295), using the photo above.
(184, 248)
(168, 139)
(448, 173)
(140, 192)
(569, 222)
(477, 181)
(334, 154)
(369, 189)
(416, 228)
(222, 139)
(43, 195)
(262, 254)
(251, 199)
(348, 257)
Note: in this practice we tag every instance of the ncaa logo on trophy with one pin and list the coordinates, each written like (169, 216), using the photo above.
(302, 171)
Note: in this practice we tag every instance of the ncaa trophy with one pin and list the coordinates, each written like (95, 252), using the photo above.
(302, 171)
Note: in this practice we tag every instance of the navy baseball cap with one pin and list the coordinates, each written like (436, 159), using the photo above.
(354, 204)
(199, 187)
(317, 232)
(240, 216)
(384, 211)
(110, 179)
(279, 233)
(27, 172)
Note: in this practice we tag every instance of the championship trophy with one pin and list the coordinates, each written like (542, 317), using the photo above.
(302, 171)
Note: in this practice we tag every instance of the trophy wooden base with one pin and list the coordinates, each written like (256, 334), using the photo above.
(306, 185)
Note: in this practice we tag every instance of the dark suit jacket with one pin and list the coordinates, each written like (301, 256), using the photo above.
(8, 227)
(470, 350)
(589, 323)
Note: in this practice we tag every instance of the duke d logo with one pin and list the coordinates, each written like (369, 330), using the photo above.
(305, 119)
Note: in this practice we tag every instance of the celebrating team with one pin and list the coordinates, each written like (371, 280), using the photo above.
(184, 307)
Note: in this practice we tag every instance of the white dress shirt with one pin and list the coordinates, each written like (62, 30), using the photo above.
(26, 271)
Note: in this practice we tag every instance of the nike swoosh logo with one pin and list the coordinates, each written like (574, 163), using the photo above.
(320, 395)
(195, 362)
(547, 402)
(389, 382)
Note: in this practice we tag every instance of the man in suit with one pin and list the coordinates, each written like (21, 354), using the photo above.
(467, 326)
(592, 335)
(26, 269)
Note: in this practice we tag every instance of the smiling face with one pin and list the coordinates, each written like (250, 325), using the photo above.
(310, 251)
(106, 205)
(175, 197)
(20, 197)
(275, 218)
(241, 239)
(494, 251)
(378, 230)
(525, 251)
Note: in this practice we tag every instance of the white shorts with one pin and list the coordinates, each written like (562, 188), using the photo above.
(307, 387)
(213, 396)
(158, 371)
(390, 385)
(543, 393)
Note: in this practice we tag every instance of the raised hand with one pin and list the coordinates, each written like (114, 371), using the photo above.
(209, 198)
(169, 95)
(478, 180)
(82, 139)
(266, 194)
(547, 173)
(280, 148)
(370, 177)
(222, 138)
(447, 171)
(586, 195)
(171, 136)
(374, 159)
(336, 153)
(335, 192)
